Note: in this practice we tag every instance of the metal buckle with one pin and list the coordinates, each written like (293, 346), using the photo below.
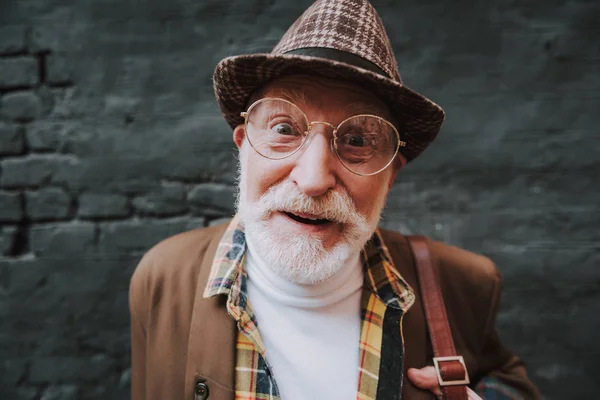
(442, 382)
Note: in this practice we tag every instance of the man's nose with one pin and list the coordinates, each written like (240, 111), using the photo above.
(314, 172)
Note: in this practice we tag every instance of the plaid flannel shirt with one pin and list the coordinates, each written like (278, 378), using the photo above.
(385, 299)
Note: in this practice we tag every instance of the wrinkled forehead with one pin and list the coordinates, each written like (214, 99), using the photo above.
(323, 93)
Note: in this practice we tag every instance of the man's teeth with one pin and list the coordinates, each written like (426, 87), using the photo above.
(304, 216)
(311, 218)
(307, 217)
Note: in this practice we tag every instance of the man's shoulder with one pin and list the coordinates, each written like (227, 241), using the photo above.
(179, 255)
(456, 258)
(454, 262)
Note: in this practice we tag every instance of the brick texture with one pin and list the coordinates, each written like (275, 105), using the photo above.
(168, 199)
(21, 106)
(7, 239)
(103, 205)
(10, 206)
(47, 203)
(13, 39)
(45, 136)
(18, 71)
(12, 139)
(36, 170)
(110, 141)
(58, 70)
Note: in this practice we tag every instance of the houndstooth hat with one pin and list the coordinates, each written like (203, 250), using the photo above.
(343, 39)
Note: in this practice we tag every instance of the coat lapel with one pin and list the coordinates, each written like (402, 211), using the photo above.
(413, 326)
(211, 344)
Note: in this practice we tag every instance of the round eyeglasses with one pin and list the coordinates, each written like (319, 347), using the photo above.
(365, 144)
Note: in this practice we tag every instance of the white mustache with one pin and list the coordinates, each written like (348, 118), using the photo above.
(335, 205)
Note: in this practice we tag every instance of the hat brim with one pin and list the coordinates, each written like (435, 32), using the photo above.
(235, 78)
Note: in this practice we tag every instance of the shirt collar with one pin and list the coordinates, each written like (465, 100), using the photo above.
(228, 261)
(381, 277)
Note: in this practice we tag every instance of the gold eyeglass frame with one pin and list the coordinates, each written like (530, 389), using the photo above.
(308, 135)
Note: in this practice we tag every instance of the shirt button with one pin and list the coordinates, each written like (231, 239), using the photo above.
(201, 391)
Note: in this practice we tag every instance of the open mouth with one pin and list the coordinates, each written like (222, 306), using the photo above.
(307, 220)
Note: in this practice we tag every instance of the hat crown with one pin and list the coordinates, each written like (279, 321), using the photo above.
(351, 26)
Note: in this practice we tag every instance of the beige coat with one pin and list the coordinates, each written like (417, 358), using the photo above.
(179, 338)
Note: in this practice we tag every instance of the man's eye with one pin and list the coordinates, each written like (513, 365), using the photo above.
(355, 140)
(283, 129)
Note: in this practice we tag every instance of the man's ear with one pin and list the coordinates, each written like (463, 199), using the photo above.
(239, 134)
(398, 163)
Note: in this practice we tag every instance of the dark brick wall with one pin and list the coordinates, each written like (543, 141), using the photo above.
(110, 140)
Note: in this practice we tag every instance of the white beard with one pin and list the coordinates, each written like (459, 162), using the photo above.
(303, 259)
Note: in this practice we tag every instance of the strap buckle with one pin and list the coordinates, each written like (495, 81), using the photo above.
(456, 382)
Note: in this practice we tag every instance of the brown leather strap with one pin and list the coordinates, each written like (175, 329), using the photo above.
(452, 374)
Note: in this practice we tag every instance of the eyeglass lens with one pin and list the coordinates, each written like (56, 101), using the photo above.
(364, 144)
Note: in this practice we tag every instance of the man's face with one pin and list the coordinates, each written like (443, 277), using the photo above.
(279, 200)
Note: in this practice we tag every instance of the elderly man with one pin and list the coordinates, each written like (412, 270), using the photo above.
(301, 296)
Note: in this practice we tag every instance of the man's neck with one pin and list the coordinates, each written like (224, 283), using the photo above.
(344, 282)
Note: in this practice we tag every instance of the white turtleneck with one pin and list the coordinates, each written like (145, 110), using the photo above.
(311, 332)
